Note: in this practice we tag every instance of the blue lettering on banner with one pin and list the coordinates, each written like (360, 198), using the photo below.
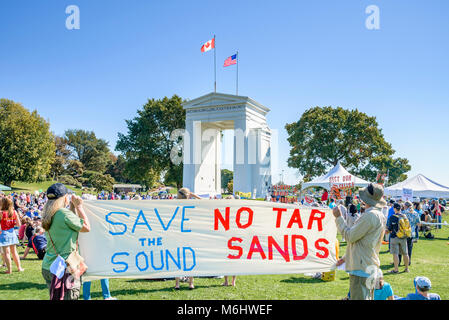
(178, 264)
(117, 223)
(184, 258)
(152, 261)
(160, 220)
(145, 223)
(146, 261)
(184, 219)
(142, 263)
(169, 259)
(120, 262)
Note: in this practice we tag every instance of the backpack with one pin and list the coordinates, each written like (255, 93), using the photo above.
(404, 229)
(429, 236)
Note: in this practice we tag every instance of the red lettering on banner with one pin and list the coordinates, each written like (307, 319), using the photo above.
(318, 219)
(284, 253)
(256, 247)
(224, 221)
(250, 217)
(318, 247)
(279, 214)
(323, 252)
(232, 247)
(304, 242)
(296, 218)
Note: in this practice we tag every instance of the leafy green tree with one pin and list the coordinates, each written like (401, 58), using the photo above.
(62, 154)
(173, 176)
(226, 176)
(27, 148)
(147, 146)
(324, 136)
(99, 181)
(69, 180)
(74, 168)
(87, 148)
(230, 186)
(117, 168)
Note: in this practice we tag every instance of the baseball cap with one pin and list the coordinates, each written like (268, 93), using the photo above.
(423, 282)
(56, 191)
(397, 206)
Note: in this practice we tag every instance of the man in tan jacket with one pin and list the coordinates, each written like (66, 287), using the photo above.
(363, 239)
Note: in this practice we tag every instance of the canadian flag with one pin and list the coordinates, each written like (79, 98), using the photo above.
(208, 45)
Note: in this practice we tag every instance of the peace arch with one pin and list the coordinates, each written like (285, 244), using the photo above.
(206, 118)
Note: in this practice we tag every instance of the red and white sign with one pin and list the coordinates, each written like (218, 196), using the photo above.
(168, 238)
(308, 200)
(209, 45)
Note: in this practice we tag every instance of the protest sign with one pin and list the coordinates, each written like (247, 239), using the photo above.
(340, 186)
(407, 194)
(168, 238)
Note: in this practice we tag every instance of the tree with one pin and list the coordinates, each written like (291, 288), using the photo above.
(325, 135)
(226, 176)
(230, 186)
(74, 168)
(62, 154)
(147, 146)
(117, 167)
(99, 181)
(27, 148)
(91, 151)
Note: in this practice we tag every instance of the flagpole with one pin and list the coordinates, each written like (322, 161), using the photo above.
(215, 65)
(237, 79)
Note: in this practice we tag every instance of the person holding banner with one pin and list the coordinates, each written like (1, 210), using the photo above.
(62, 229)
(184, 193)
(364, 240)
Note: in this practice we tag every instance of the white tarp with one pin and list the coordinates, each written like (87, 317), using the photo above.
(422, 187)
(337, 175)
(168, 238)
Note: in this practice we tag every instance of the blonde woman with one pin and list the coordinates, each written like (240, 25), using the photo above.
(62, 228)
(8, 236)
(184, 193)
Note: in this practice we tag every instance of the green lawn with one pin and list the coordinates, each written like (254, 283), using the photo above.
(430, 259)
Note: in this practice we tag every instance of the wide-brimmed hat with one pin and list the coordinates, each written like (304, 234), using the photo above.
(373, 195)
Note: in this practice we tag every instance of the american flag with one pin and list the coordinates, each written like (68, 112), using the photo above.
(230, 61)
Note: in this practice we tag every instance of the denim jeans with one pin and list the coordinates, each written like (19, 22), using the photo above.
(104, 289)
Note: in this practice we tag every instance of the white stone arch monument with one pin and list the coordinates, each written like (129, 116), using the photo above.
(206, 117)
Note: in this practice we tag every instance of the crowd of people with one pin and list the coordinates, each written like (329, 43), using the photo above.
(364, 224)
(163, 195)
(31, 220)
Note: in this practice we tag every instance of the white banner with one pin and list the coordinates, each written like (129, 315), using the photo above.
(170, 238)
(407, 194)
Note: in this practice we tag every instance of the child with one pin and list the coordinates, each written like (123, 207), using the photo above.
(25, 220)
(39, 243)
(29, 232)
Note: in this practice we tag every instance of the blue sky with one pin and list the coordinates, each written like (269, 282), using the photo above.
(293, 55)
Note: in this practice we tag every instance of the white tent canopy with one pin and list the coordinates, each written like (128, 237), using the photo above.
(422, 187)
(337, 171)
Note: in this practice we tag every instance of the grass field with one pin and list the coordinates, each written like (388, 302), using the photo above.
(430, 259)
